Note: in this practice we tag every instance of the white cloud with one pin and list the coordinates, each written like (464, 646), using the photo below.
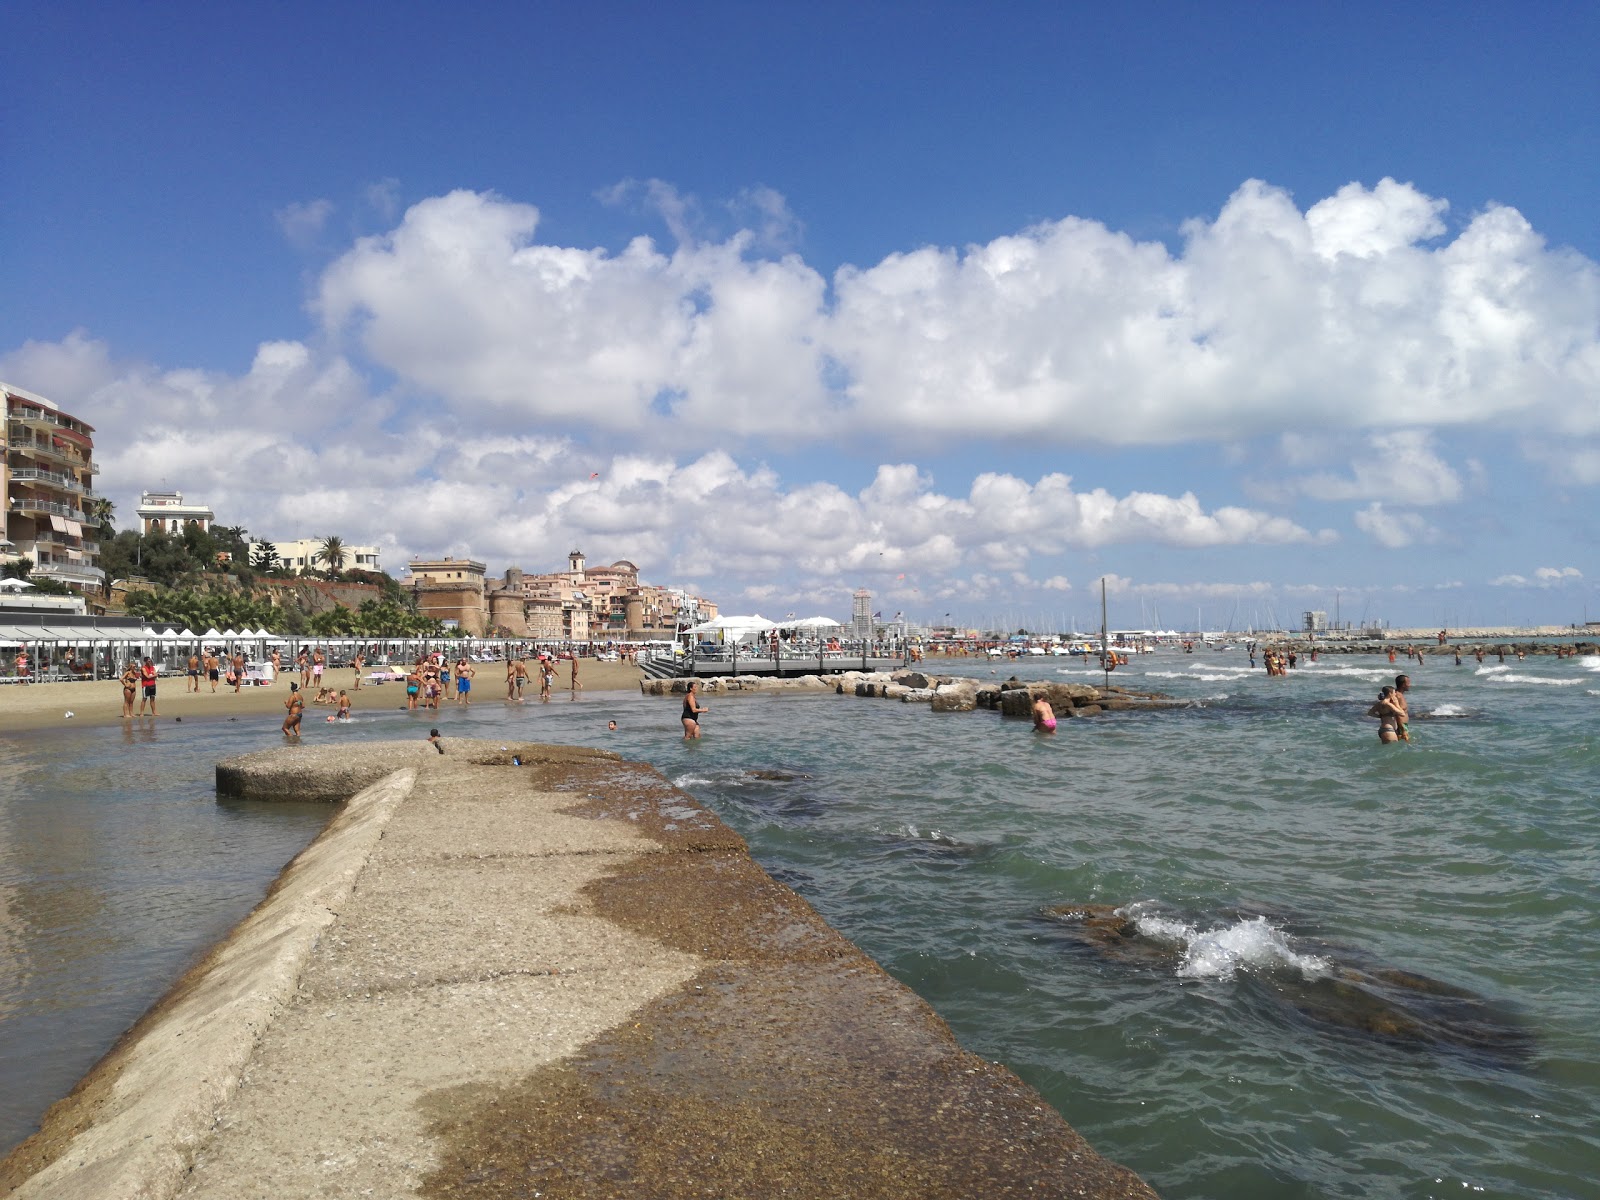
(1393, 529)
(1401, 467)
(302, 222)
(1543, 577)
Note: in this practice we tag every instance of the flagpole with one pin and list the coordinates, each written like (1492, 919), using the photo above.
(1105, 645)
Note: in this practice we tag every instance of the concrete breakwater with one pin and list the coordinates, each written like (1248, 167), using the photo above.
(942, 693)
(1432, 649)
(516, 970)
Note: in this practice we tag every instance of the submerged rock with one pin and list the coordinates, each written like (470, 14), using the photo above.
(1334, 986)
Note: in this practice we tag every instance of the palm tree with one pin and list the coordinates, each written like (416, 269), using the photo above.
(101, 513)
(332, 554)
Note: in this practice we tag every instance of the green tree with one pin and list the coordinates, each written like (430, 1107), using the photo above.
(102, 514)
(266, 557)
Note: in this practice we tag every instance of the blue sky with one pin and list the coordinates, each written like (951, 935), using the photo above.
(1246, 307)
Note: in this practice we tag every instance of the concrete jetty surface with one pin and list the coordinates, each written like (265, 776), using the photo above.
(559, 979)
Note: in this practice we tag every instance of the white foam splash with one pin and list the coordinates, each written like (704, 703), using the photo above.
(1220, 953)
(1590, 662)
(1514, 678)
(1494, 670)
(1448, 710)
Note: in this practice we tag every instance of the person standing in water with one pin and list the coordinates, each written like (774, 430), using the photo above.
(692, 708)
(295, 703)
(1044, 717)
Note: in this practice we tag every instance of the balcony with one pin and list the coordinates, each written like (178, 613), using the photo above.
(78, 573)
(24, 444)
(54, 508)
(53, 479)
(34, 416)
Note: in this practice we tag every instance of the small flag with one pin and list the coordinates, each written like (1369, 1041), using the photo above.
(877, 614)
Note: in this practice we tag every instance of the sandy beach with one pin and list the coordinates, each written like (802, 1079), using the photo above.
(45, 705)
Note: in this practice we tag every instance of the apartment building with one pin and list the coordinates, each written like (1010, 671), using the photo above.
(47, 479)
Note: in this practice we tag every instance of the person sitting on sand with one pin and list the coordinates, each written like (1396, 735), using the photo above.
(1044, 717)
(324, 696)
(435, 740)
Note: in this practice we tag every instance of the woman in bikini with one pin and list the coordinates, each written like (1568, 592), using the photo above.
(130, 687)
(1391, 717)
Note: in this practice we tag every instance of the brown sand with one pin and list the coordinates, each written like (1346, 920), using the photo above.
(44, 705)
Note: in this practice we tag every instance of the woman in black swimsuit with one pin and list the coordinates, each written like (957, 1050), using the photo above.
(691, 713)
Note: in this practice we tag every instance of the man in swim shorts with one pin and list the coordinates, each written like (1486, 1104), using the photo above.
(464, 673)
(192, 682)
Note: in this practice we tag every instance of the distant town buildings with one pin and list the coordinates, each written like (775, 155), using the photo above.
(47, 478)
(165, 512)
(579, 604)
(305, 554)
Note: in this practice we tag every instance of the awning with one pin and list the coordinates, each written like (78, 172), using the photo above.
(59, 524)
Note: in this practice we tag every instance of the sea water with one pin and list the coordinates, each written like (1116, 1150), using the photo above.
(1261, 842)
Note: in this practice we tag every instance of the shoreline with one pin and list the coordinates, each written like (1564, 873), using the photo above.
(36, 706)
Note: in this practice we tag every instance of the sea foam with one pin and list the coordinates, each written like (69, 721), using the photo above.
(1248, 943)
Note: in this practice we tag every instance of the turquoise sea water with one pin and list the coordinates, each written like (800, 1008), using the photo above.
(1253, 1038)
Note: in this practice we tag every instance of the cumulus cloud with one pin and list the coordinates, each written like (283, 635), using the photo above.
(1393, 529)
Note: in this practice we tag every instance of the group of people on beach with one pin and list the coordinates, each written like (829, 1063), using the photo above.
(517, 677)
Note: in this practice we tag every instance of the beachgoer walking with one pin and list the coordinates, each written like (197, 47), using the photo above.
(130, 686)
(191, 682)
(213, 667)
(547, 677)
(576, 686)
(522, 674)
(359, 662)
(296, 704)
(302, 662)
(413, 688)
(511, 678)
(238, 669)
(147, 677)
(318, 661)
(344, 705)
(692, 708)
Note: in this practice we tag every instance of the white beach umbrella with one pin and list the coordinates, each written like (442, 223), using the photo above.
(818, 623)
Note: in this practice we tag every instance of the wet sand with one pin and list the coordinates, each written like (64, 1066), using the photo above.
(45, 705)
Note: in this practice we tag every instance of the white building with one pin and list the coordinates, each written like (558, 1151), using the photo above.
(165, 512)
(304, 554)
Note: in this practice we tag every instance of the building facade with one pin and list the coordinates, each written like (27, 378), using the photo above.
(580, 604)
(304, 554)
(165, 512)
(47, 479)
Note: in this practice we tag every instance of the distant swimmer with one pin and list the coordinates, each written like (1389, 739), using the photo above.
(1044, 717)
(692, 708)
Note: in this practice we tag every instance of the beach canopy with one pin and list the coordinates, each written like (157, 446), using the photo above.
(735, 628)
(14, 585)
(817, 623)
(212, 633)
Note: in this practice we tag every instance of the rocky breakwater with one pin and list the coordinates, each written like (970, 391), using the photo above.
(942, 693)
